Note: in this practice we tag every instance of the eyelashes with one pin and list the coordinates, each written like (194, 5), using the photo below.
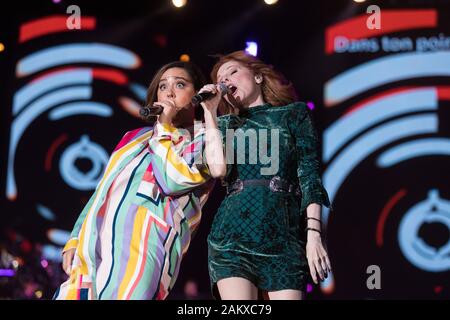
(179, 85)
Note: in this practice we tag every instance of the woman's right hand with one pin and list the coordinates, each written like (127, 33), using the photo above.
(169, 111)
(211, 104)
(67, 260)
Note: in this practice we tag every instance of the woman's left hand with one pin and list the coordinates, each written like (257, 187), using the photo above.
(210, 105)
(318, 261)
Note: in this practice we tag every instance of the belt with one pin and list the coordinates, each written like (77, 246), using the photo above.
(276, 184)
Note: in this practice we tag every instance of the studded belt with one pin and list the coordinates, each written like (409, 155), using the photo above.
(276, 184)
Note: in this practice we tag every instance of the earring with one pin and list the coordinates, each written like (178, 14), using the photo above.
(258, 79)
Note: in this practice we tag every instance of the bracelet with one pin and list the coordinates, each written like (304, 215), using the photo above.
(312, 229)
(308, 218)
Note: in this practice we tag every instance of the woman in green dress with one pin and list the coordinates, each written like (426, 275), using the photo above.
(266, 235)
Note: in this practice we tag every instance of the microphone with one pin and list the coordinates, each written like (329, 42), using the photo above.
(200, 97)
(150, 111)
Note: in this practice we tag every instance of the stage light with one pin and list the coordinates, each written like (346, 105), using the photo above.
(7, 273)
(185, 58)
(359, 1)
(44, 263)
(2, 47)
(56, 1)
(252, 48)
(270, 2)
(179, 3)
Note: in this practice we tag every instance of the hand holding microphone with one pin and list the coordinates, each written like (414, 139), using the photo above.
(208, 92)
(209, 96)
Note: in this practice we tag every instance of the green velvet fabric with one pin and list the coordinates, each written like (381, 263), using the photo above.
(258, 234)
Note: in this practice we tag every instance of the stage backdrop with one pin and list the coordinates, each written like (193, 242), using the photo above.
(386, 148)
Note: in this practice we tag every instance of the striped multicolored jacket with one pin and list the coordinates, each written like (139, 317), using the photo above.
(132, 234)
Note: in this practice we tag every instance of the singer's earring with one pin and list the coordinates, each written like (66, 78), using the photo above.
(258, 79)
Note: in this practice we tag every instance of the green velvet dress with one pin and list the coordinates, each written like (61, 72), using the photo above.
(259, 234)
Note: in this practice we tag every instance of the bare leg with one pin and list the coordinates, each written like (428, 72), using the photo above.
(236, 288)
(288, 294)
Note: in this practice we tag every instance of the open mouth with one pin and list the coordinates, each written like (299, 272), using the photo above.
(232, 89)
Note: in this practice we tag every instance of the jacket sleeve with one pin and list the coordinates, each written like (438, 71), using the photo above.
(308, 164)
(178, 165)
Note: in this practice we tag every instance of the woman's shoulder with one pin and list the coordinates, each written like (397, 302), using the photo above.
(297, 106)
(139, 131)
(296, 112)
(132, 135)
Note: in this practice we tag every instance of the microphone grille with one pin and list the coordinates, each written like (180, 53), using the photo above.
(144, 111)
(223, 88)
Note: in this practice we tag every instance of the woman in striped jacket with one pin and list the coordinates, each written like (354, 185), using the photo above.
(130, 238)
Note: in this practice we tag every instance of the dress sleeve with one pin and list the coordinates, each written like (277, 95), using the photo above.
(178, 165)
(308, 165)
